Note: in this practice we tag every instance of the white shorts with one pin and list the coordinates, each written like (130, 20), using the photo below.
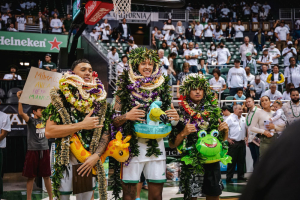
(154, 171)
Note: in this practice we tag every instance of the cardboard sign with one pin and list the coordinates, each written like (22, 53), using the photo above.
(38, 85)
(96, 10)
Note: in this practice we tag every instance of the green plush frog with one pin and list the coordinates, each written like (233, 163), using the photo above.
(210, 147)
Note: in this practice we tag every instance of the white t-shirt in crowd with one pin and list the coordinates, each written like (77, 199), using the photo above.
(286, 59)
(245, 49)
(120, 67)
(218, 85)
(133, 47)
(203, 10)
(217, 34)
(247, 11)
(237, 127)
(276, 96)
(297, 23)
(22, 5)
(125, 34)
(103, 25)
(4, 125)
(259, 88)
(223, 54)
(250, 78)
(10, 76)
(95, 35)
(267, 8)
(208, 32)
(254, 9)
(273, 53)
(211, 56)
(105, 34)
(169, 39)
(286, 96)
(199, 52)
(4, 18)
(113, 58)
(41, 23)
(237, 78)
(56, 23)
(265, 59)
(281, 32)
(239, 29)
(225, 12)
(295, 73)
(210, 9)
(97, 28)
(193, 52)
(264, 77)
(21, 23)
(166, 62)
(159, 36)
(198, 29)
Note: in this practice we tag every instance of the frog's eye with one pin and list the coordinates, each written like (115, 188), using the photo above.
(202, 133)
(214, 133)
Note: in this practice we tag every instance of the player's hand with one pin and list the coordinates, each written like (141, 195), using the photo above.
(223, 126)
(135, 114)
(88, 165)
(172, 113)
(188, 129)
(91, 122)
(19, 93)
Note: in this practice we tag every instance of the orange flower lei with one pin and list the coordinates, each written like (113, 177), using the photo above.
(191, 111)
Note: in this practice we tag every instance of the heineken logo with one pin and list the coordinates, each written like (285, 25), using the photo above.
(24, 42)
(54, 44)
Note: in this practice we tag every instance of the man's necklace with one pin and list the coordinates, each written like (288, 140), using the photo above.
(248, 124)
(293, 110)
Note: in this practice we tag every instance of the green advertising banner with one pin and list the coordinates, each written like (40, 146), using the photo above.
(16, 41)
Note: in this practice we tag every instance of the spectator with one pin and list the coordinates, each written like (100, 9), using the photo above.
(247, 11)
(225, 11)
(239, 29)
(265, 59)
(168, 26)
(106, 35)
(10, 20)
(189, 32)
(171, 71)
(226, 112)
(250, 77)
(191, 56)
(262, 14)
(297, 47)
(182, 49)
(264, 75)
(271, 35)
(45, 12)
(169, 38)
(97, 27)
(37, 161)
(189, 7)
(164, 63)
(5, 17)
(202, 11)
(180, 30)
(217, 34)
(230, 31)
(292, 74)
(105, 24)
(236, 140)
(259, 86)
(274, 53)
(42, 21)
(278, 117)
(288, 53)
(246, 48)
(239, 96)
(212, 55)
(174, 48)
(273, 93)
(122, 65)
(124, 30)
(23, 5)
(95, 35)
(67, 23)
(251, 138)
(164, 45)
(21, 22)
(236, 78)
(2, 24)
(276, 77)
(5, 127)
(292, 109)
(255, 8)
(223, 55)
(113, 56)
(115, 36)
(131, 46)
(267, 8)
(56, 24)
(55, 11)
(251, 63)
(217, 83)
(182, 75)
(153, 33)
(12, 74)
(208, 30)
(199, 50)
(211, 11)
(234, 14)
(286, 94)
(48, 65)
(282, 34)
(259, 40)
(31, 5)
(12, 28)
(198, 31)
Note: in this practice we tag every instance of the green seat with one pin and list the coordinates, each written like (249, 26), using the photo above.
(225, 78)
(208, 76)
(210, 70)
(225, 94)
(224, 71)
(228, 98)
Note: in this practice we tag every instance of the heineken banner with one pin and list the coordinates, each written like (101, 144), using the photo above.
(16, 41)
(18, 125)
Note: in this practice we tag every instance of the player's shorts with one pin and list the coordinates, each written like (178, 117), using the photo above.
(37, 164)
(154, 171)
(212, 184)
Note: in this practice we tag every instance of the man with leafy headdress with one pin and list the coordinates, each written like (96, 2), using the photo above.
(199, 113)
(78, 107)
(139, 86)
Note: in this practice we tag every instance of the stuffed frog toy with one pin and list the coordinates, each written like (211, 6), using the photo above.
(211, 148)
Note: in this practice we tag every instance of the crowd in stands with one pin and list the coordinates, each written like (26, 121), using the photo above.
(13, 18)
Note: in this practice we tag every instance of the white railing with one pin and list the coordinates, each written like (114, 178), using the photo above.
(113, 76)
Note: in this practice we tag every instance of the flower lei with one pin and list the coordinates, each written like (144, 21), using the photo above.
(62, 111)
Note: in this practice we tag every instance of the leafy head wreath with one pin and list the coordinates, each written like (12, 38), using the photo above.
(142, 54)
(194, 81)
